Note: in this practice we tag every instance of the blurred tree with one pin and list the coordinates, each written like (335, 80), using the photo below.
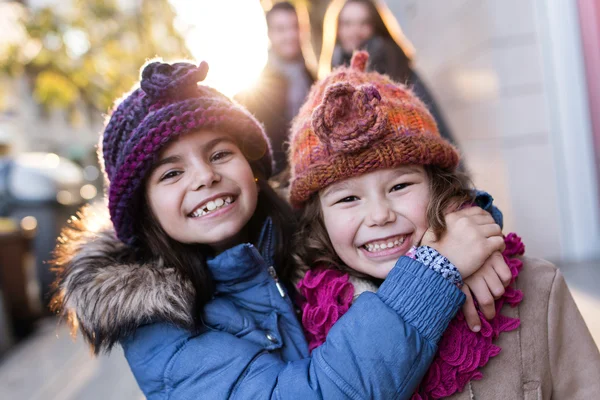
(88, 52)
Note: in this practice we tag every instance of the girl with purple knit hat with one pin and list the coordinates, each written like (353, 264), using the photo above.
(182, 271)
(374, 181)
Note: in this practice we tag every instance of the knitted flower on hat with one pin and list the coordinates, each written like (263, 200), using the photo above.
(349, 119)
(354, 122)
(168, 104)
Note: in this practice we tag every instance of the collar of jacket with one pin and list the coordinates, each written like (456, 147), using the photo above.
(243, 266)
(105, 295)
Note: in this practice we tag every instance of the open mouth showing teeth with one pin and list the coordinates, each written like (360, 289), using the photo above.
(379, 245)
(212, 205)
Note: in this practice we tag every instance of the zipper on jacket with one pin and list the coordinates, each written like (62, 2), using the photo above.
(273, 274)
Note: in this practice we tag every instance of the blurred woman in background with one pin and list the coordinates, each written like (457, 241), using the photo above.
(369, 25)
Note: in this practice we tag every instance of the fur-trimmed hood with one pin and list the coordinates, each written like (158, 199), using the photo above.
(103, 293)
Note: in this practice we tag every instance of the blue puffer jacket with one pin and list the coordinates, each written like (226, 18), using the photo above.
(252, 345)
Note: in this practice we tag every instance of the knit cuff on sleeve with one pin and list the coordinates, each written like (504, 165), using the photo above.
(421, 296)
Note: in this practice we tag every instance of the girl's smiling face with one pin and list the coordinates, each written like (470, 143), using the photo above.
(375, 218)
(202, 190)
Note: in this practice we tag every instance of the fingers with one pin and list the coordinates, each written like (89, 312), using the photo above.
(502, 270)
(493, 282)
(490, 230)
(471, 211)
(479, 287)
(482, 219)
(471, 315)
(495, 243)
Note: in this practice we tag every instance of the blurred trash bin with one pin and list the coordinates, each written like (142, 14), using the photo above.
(17, 279)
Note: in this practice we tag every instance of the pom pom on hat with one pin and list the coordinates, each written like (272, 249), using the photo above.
(359, 61)
(161, 80)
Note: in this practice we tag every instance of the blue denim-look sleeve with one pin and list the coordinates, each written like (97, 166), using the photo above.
(485, 201)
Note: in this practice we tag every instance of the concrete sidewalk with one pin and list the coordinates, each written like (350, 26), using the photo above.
(51, 366)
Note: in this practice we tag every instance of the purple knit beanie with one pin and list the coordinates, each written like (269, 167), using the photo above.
(169, 103)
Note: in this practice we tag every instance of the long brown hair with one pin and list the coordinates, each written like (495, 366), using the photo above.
(312, 246)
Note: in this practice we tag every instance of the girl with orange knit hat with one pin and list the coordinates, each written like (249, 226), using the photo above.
(375, 181)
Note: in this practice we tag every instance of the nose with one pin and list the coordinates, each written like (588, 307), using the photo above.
(203, 175)
(380, 213)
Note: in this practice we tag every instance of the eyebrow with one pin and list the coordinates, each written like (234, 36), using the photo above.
(176, 158)
(338, 187)
(167, 160)
(407, 170)
(213, 143)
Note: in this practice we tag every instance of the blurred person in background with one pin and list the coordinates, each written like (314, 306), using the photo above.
(283, 85)
(361, 24)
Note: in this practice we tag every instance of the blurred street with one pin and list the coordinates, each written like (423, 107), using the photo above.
(51, 366)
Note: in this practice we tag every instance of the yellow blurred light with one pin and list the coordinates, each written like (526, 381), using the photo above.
(7, 225)
(51, 160)
(64, 197)
(230, 35)
(477, 84)
(29, 223)
(88, 191)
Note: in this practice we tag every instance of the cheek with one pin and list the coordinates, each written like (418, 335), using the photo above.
(343, 34)
(367, 32)
(341, 230)
(163, 205)
(245, 179)
(420, 210)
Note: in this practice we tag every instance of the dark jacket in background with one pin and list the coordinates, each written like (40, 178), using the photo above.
(268, 101)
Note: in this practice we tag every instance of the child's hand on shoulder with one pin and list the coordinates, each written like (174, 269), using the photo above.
(486, 285)
(471, 237)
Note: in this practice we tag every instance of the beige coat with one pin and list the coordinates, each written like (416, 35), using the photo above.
(551, 355)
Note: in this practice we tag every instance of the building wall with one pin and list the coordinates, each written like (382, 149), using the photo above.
(29, 128)
(489, 65)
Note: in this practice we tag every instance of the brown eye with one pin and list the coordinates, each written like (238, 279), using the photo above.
(348, 199)
(169, 175)
(400, 186)
(220, 155)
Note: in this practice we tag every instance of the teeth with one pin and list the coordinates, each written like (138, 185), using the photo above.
(370, 247)
(212, 206)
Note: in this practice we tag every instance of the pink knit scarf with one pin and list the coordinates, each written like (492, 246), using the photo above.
(461, 354)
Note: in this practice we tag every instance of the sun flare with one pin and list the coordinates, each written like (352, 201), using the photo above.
(231, 35)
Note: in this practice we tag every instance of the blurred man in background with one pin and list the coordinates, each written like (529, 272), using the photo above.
(283, 85)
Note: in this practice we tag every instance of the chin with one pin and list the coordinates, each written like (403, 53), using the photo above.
(382, 271)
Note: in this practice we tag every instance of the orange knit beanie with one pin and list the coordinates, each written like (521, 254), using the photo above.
(355, 122)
